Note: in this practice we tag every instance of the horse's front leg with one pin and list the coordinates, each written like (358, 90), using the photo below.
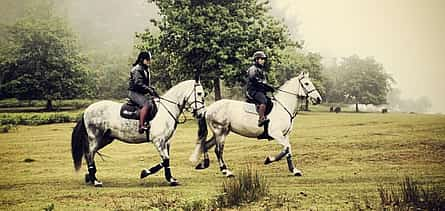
(287, 151)
(164, 151)
(205, 163)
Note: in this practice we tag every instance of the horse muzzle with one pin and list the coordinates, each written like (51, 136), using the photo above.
(316, 101)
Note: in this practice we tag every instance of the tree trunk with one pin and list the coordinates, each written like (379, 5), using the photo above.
(356, 107)
(306, 105)
(217, 85)
(49, 105)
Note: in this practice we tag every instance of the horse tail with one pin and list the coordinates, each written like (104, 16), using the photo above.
(79, 142)
(202, 136)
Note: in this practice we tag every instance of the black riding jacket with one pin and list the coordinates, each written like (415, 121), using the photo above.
(140, 80)
(257, 80)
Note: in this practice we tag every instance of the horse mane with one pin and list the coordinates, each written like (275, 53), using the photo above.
(179, 86)
(286, 84)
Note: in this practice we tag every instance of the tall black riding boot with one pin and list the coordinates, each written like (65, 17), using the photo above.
(142, 115)
(262, 112)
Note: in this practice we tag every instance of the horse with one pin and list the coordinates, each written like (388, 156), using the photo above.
(227, 115)
(101, 123)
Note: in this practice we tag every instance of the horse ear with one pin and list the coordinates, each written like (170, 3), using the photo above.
(307, 74)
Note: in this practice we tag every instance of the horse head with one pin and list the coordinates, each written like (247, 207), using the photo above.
(195, 98)
(307, 88)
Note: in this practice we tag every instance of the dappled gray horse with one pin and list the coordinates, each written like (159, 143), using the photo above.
(224, 116)
(101, 123)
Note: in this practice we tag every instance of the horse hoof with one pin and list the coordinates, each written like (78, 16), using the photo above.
(297, 173)
(200, 166)
(88, 180)
(203, 164)
(267, 161)
(173, 182)
(145, 173)
(206, 163)
(227, 173)
(97, 183)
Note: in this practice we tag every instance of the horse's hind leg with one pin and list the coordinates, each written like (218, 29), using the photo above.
(100, 142)
(90, 177)
(219, 151)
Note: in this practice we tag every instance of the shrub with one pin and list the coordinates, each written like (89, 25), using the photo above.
(6, 128)
(74, 104)
(248, 187)
(38, 118)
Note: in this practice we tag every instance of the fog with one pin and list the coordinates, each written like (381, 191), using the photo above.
(405, 36)
(106, 24)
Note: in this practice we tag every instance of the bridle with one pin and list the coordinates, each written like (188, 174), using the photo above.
(195, 102)
(306, 92)
(184, 105)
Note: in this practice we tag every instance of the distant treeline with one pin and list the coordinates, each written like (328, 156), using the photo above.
(64, 69)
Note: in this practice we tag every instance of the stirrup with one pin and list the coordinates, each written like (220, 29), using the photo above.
(142, 129)
(262, 122)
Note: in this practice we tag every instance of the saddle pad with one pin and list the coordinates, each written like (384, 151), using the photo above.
(250, 108)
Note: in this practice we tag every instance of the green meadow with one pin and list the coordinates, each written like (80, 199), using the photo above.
(344, 157)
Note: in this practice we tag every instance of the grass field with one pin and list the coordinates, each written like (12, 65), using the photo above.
(344, 157)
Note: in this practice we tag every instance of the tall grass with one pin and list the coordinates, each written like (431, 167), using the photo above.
(249, 186)
(411, 195)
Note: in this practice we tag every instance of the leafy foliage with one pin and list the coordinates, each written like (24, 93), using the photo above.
(293, 61)
(40, 58)
(38, 118)
(214, 38)
(357, 80)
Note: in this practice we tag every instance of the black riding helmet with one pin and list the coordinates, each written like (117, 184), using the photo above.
(259, 54)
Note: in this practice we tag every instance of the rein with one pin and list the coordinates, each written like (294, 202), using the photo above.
(181, 107)
(168, 111)
(292, 115)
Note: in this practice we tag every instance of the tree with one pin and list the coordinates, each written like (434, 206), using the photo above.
(332, 82)
(293, 61)
(364, 81)
(111, 73)
(40, 58)
(214, 38)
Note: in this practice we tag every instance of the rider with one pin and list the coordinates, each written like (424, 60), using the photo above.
(139, 86)
(257, 86)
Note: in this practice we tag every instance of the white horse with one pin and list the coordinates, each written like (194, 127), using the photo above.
(101, 123)
(225, 115)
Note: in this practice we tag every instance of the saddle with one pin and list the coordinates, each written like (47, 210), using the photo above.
(131, 110)
(252, 107)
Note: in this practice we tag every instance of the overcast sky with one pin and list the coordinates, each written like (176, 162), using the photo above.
(406, 36)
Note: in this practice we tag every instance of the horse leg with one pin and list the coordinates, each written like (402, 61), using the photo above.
(290, 165)
(102, 139)
(206, 146)
(90, 177)
(219, 151)
(287, 151)
(164, 151)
